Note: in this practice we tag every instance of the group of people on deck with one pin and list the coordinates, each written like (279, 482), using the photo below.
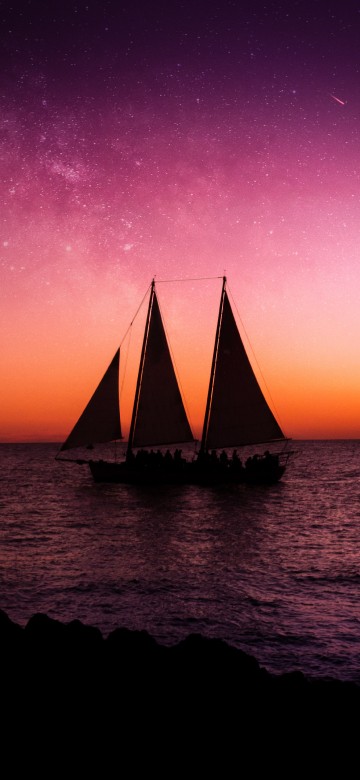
(212, 460)
(234, 462)
(205, 461)
(151, 459)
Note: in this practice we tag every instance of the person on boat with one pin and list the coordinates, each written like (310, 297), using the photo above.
(130, 458)
(252, 462)
(168, 459)
(270, 458)
(141, 458)
(223, 459)
(236, 463)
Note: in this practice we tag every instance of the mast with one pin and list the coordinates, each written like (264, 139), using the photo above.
(140, 373)
(203, 446)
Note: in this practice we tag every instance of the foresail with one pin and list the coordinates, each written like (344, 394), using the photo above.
(161, 417)
(239, 412)
(100, 420)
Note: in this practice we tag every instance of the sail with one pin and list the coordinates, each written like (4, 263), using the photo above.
(161, 417)
(239, 412)
(100, 420)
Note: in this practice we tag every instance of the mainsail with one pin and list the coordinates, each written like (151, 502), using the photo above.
(100, 420)
(159, 414)
(238, 413)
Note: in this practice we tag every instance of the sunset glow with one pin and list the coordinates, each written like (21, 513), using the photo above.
(179, 142)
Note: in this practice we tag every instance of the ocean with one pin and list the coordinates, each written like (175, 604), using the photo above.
(272, 570)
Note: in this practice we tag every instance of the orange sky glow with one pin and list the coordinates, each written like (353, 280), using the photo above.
(54, 360)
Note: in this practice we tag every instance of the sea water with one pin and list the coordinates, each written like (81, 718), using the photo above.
(272, 570)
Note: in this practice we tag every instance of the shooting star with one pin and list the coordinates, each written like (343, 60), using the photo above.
(342, 103)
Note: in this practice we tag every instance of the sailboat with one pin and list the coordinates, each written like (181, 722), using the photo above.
(236, 415)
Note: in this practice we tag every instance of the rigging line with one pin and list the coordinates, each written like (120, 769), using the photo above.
(255, 358)
(141, 369)
(176, 371)
(134, 318)
(195, 279)
(126, 358)
(213, 370)
(164, 281)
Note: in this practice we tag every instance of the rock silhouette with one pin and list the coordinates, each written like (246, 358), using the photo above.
(72, 652)
(80, 700)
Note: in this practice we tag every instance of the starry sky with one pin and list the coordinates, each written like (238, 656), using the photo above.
(179, 140)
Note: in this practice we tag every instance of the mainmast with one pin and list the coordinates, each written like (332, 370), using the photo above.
(203, 446)
(140, 373)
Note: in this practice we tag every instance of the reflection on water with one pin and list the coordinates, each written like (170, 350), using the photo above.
(273, 570)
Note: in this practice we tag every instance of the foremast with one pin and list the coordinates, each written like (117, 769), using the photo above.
(140, 372)
(203, 446)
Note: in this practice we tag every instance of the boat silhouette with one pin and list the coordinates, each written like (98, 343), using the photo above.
(236, 415)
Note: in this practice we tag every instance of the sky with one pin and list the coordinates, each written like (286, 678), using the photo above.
(179, 140)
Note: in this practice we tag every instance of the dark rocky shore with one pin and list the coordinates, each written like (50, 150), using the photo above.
(76, 647)
(130, 684)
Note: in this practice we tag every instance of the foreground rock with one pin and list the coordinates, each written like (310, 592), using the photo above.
(71, 697)
(65, 657)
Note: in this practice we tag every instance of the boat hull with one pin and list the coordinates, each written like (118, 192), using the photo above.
(189, 473)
